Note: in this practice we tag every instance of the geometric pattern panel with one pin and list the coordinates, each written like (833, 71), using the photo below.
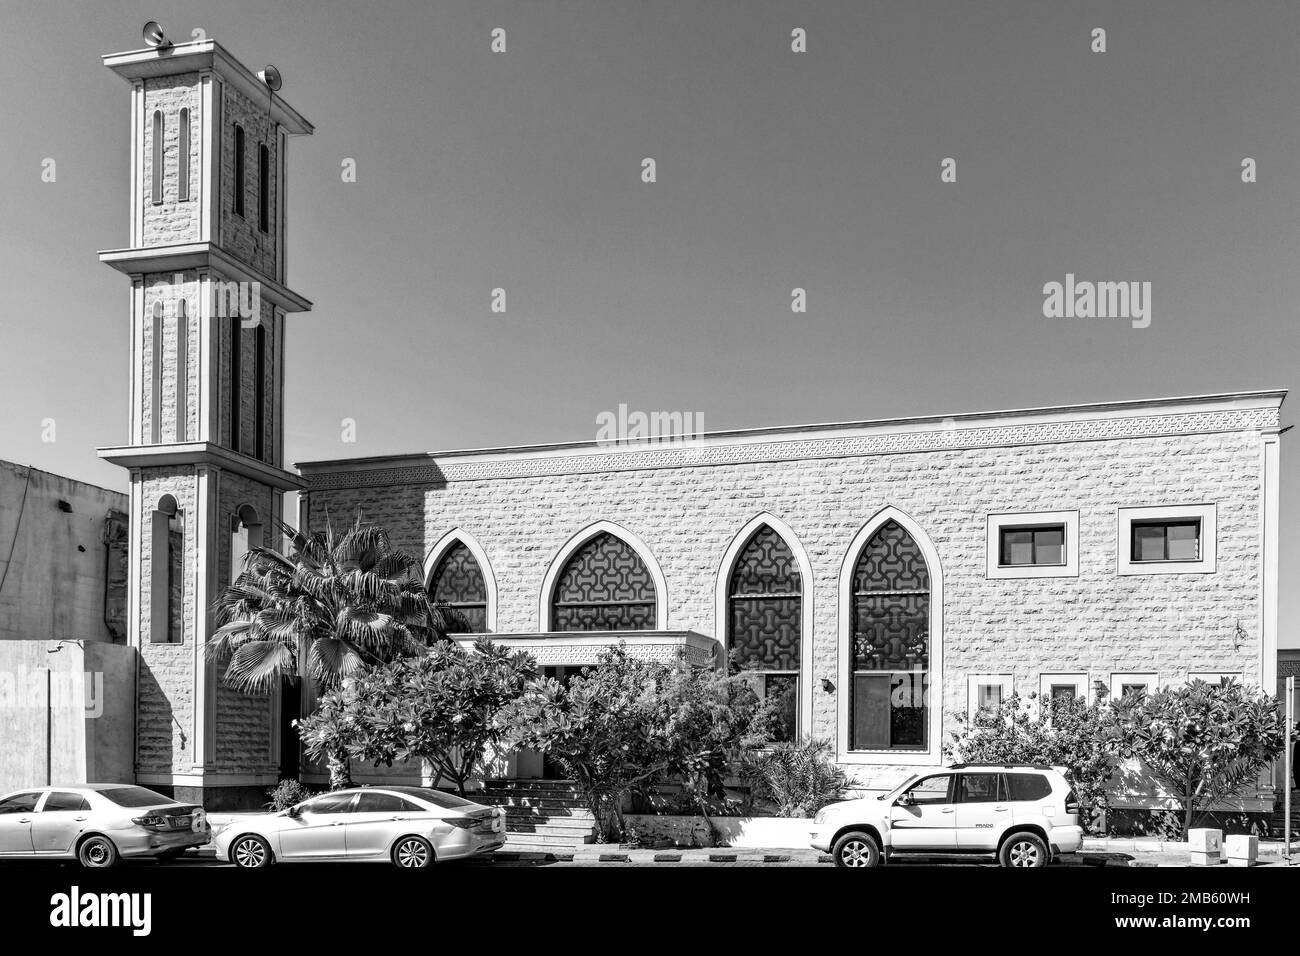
(604, 586)
(891, 603)
(765, 605)
(457, 582)
(891, 561)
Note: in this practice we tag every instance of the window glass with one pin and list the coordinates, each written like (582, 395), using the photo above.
(1027, 786)
(988, 697)
(1032, 546)
(1064, 692)
(19, 803)
(136, 797)
(330, 803)
(931, 789)
(61, 800)
(1126, 689)
(1167, 540)
(459, 589)
(383, 803)
(1183, 541)
(604, 586)
(979, 787)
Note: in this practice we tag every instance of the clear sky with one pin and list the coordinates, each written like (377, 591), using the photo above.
(775, 170)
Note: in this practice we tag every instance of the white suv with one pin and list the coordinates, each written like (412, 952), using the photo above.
(1021, 814)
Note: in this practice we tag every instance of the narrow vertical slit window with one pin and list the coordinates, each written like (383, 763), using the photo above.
(157, 160)
(182, 369)
(236, 381)
(156, 374)
(183, 157)
(259, 390)
(263, 188)
(239, 170)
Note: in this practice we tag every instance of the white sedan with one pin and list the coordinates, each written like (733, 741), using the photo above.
(410, 827)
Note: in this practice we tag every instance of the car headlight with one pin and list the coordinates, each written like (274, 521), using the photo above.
(820, 818)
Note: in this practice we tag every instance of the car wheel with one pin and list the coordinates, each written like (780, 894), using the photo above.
(1023, 849)
(856, 849)
(413, 853)
(250, 852)
(97, 853)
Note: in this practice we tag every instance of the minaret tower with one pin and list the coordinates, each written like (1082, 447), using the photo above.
(206, 260)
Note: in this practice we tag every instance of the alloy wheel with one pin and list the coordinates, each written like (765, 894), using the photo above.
(1024, 853)
(411, 853)
(856, 853)
(249, 852)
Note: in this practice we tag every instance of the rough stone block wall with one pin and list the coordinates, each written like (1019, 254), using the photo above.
(240, 235)
(165, 693)
(174, 220)
(1097, 623)
(165, 289)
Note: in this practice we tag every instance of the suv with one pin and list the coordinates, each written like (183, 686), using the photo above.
(1021, 814)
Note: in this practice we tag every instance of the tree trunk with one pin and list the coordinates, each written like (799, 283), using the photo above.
(340, 769)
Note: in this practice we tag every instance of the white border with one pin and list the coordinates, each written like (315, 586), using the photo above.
(994, 523)
(720, 596)
(461, 536)
(933, 756)
(578, 540)
(1119, 678)
(973, 683)
(1124, 518)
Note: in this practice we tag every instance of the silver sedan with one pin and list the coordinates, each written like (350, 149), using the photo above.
(408, 826)
(98, 824)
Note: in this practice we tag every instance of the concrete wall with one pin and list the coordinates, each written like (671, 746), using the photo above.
(54, 584)
(68, 716)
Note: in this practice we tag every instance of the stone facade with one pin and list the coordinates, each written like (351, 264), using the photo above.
(687, 502)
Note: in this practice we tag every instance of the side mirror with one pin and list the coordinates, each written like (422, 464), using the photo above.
(906, 800)
(294, 811)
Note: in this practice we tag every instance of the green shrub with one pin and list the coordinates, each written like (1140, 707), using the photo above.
(287, 793)
(798, 779)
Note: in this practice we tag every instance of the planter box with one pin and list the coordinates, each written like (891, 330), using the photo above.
(759, 833)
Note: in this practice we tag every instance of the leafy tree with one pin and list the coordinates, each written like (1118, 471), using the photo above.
(1068, 732)
(440, 707)
(1204, 742)
(334, 604)
(626, 724)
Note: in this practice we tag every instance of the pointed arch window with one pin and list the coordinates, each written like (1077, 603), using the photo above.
(890, 653)
(604, 586)
(156, 340)
(457, 585)
(239, 171)
(167, 578)
(765, 620)
(183, 157)
(156, 162)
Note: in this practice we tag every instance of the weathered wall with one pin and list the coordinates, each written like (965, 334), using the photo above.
(54, 584)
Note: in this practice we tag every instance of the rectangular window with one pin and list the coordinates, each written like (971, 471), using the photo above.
(183, 158)
(1122, 685)
(1042, 544)
(1033, 546)
(182, 369)
(156, 383)
(1053, 687)
(1166, 540)
(239, 170)
(986, 692)
(259, 392)
(1027, 786)
(157, 160)
(980, 787)
(236, 390)
(889, 710)
(263, 188)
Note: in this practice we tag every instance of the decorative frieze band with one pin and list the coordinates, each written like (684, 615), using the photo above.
(691, 455)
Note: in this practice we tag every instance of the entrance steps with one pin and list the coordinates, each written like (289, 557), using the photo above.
(542, 816)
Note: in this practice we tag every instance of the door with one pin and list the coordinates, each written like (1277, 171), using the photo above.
(982, 811)
(551, 769)
(378, 819)
(318, 830)
(62, 817)
(922, 817)
(16, 815)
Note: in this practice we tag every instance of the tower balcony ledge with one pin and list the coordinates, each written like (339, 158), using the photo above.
(201, 453)
(177, 257)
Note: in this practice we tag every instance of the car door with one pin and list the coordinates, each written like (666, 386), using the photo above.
(59, 821)
(922, 817)
(379, 818)
(16, 814)
(317, 832)
(982, 811)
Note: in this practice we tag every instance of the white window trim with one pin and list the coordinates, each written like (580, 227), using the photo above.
(975, 681)
(721, 613)
(461, 536)
(1124, 539)
(1119, 679)
(933, 756)
(1080, 682)
(995, 524)
(1214, 677)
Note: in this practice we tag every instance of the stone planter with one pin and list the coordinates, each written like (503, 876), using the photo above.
(741, 832)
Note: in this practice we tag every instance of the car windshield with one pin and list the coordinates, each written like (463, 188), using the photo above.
(899, 789)
(135, 797)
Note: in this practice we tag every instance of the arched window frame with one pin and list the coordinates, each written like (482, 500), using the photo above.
(561, 559)
(239, 174)
(157, 161)
(183, 157)
(932, 755)
(165, 518)
(157, 343)
(246, 533)
(446, 543)
(722, 600)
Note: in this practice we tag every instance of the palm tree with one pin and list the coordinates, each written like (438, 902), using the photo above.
(332, 606)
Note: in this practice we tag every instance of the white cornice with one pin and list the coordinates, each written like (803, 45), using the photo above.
(1246, 411)
(200, 453)
(178, 257)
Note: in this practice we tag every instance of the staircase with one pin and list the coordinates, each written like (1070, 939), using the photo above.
(542, 816)
(1275, 823)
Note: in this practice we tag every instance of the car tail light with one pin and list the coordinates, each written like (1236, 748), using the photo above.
(152, 822)
(462, 823)
(1072, 803)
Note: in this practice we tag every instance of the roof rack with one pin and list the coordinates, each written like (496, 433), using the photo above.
(1004, 766)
